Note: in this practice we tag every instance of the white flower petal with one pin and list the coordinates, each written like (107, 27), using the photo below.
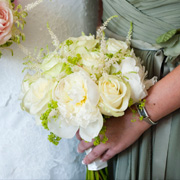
(115, 94)
(93, 94)
(61, 128)
(92, 129)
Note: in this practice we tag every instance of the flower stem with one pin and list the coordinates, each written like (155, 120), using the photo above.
(97, 175)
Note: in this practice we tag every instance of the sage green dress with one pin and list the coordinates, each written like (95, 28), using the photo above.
(156, 155)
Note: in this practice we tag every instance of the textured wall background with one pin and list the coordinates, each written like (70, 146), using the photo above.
(25, 152)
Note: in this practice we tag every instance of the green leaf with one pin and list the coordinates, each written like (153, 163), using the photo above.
(12, 53)
(165, 37)
(7, 44)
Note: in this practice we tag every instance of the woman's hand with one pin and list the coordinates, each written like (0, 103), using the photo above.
(163, 98)
(121, 133)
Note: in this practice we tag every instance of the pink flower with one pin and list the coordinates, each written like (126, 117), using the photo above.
(6, 22)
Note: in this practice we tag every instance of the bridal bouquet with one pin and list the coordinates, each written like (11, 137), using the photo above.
(12, 21)
(80, 84)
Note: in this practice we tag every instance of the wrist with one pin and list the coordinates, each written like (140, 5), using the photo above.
(140, 124)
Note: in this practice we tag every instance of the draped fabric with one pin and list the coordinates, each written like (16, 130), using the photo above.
(155, 155)
(151, 18)
(25, 152)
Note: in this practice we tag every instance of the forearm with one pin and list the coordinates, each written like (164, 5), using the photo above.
(164, 97)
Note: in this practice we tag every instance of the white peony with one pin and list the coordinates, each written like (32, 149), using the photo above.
(77, 96)
(114, 95)
(135, 75)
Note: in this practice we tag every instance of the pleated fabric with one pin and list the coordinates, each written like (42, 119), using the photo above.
(150, 18)
(156, 154)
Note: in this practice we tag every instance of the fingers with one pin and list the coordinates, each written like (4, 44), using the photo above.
(97, 152)
(84, 146)
(108, 155)
(78, 136)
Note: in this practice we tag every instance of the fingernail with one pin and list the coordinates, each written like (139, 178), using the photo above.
(83, 162)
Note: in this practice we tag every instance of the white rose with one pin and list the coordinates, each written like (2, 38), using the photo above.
(113, 46)
(52, 65)
(135, 74)
(85, 43)
(114, 95)
(77, 96)
(80, 45)
(37, 96)
(92, 63)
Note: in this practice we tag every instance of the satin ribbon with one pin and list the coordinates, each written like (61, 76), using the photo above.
(97, 164)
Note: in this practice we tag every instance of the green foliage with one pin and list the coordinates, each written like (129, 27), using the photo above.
(19, 16)
(82, 33)
(166, 36)
(117, 73)
(67, 68)
(96, 48)
(7, 44)
(133, 120)
(101, 138)
(74, 60)
(130, 30)
(110, 55)
(130, 102)
(69, 42)
(142, 104)
(126, 77)
(45, 118)
(53, 105)
(141, 118)
(97, 175)
(97, 141)
(53, 138)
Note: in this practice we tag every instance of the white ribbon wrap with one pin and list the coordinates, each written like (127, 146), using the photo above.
(97, 164)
